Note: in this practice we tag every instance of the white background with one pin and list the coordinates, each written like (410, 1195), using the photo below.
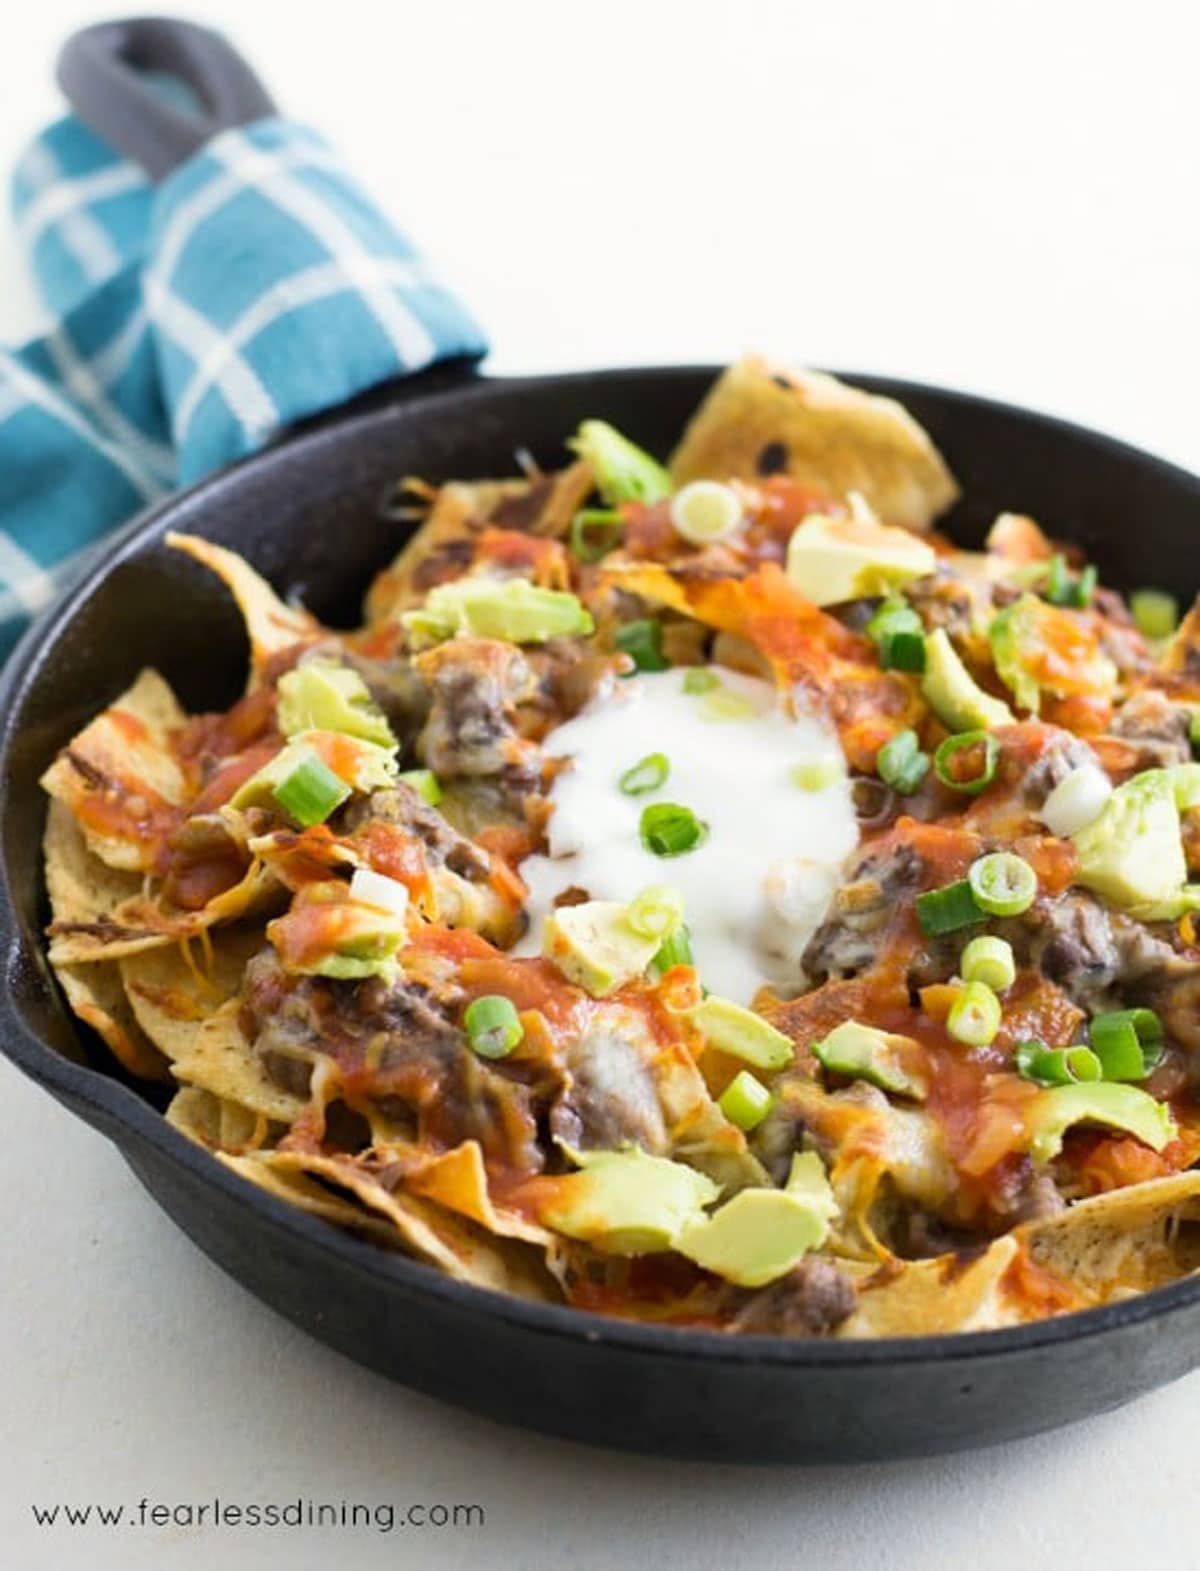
(999, 196)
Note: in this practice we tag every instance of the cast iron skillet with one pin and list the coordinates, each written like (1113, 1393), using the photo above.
(307, 514)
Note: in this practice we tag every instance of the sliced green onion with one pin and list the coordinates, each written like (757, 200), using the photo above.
(902, 651)
(424, 782)
(981, 770)
(668, 829)
(676, 951)
(975, 1015)
(989, 960)
(1002, 883)
(817, 775)
(705, 511)
(894, 616)
(946, 910)
(656, 912)
(1076, 801)
(724, 704)
(1085, 587)
(493, 1026)
(594, 532)
(642, 641)
(623, 472)
(745, 1101)
(901, 764)
(1155, 614)
(1057, 588)
(699, 679)
(646, 775)
(310, 790)
(1128, 1042)
(1056, 1066)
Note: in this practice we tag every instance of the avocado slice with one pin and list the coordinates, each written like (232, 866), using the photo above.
(1132, 854)
(594, 946)
(742, 1034)
(627, 1202)
(953, 693)
(866, 1053)
(508, 608)
(831, 560)
(1106, 1102)
(322, 695)
(761, 1234)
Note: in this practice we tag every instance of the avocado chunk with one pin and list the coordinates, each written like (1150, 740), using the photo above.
(508, 608)
(866, 1053)
(594, 946)
(742, 1034)
(322, 695)
(327, 934)
(1020, 637)
(831, 560)
(1114, 1105)
(627, 1202)
(1132, 854)
(953, 693)
(761, 1234)
(351, 763)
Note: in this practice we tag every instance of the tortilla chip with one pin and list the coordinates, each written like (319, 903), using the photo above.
(122, 763)
(451, 1242)
(173, 990)
(89, 900)
(1126, 1240)
(458, 1180)
(306, 1195)
(445, 545)
(927, 1297)
(758, 419)
(220, 1060)
(96, 994)
(216, 1124)
(270, 625)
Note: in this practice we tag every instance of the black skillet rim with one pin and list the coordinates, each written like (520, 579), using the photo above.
(119, 1108)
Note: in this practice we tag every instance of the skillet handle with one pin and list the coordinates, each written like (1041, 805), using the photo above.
(102, 70)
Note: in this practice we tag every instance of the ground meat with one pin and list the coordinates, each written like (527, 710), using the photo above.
(404, 807)
(1086, 949)
(404, 1052)
(847, 941)
(1159, 727)
(1061, 755)
(568, 674)
(612, 1099)
(943, 599)
(811, 1300)
(476, 686)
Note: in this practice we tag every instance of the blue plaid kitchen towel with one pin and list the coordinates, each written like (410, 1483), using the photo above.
(193, 320)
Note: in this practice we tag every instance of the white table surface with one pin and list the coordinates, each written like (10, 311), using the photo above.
(998, 196)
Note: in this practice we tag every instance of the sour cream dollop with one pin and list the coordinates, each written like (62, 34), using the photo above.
(758, 886)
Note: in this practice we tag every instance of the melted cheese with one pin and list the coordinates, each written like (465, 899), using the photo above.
(759, 885)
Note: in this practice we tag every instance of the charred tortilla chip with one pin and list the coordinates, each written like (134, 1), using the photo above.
(759, 420)
(927, 1297)
(120, 778)
(448, 543)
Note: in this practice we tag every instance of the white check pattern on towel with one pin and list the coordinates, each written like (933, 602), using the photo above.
(257, 285)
